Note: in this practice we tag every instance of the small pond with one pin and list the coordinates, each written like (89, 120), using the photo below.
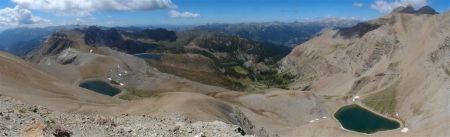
(149, 55)
(359, 119)
(100, 87)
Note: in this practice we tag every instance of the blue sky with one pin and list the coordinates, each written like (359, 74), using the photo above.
(175, 12)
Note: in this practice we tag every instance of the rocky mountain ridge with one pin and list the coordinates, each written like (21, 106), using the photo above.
(393, 67)
(234, 63)
(287, 34)
(19, 119)
(411, 10)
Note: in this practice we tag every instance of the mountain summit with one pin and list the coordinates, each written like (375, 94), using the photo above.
(409, 9)
(426, 10)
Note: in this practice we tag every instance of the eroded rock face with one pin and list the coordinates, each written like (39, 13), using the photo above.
(243, 121)
(58, 42)
(441, 56)
(359, 30)
(68, 56)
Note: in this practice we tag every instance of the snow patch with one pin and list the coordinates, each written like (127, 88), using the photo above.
(404, 130)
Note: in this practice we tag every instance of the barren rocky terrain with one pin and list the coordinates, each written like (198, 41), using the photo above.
(19, 119)
(397, 66)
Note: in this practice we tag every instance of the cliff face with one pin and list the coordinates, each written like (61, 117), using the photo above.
(400, 66)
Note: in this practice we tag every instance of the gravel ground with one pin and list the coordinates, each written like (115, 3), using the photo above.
(19, 119)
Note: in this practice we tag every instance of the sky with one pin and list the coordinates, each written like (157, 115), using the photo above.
(19, 13)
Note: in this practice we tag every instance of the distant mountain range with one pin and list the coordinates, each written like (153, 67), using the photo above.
(280, 33)
(20, 41)
(240, 53)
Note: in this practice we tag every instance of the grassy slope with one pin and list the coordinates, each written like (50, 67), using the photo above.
(383, 101)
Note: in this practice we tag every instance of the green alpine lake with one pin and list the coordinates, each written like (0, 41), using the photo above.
(356, 118)
(100, 87)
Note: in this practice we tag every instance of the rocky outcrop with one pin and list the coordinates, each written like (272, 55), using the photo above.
(441, 56)
(67, 57)
(19, 119)
(242, 120)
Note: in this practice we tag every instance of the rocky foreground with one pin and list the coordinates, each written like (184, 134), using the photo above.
(19, 119)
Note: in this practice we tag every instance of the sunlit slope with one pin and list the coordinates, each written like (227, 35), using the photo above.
(398, 64)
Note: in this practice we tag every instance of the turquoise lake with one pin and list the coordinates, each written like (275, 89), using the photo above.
(359, 119)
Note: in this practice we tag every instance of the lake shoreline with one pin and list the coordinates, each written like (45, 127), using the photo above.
(400, 123)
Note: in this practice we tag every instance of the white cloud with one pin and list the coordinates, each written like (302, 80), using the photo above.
(85, 7)
(358, 5)
(385, 7)
(80, 21)
(177, 14)
(17, 16)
